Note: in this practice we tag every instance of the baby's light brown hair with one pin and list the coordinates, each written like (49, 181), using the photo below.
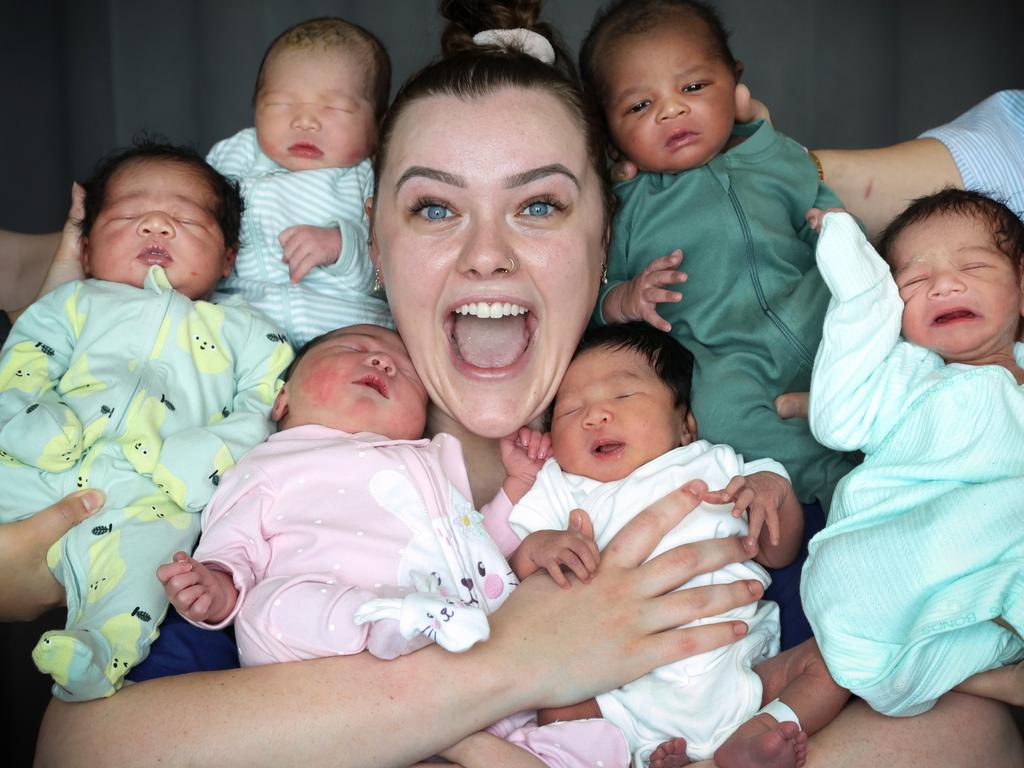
(332, 33)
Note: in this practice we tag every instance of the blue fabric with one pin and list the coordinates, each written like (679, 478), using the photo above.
(183, 648)
(785, 587)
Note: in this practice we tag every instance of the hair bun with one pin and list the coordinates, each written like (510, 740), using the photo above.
(467, 18)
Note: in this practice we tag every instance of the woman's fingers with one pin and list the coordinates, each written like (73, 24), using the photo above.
(27, 588)
(679, 608)
(667, 647)
(638, 538)
(671, 569)
(57, 519)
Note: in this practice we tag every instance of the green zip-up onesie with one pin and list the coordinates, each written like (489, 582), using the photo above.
(754, 303)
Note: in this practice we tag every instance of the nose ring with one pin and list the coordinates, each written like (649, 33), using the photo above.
(510, 268)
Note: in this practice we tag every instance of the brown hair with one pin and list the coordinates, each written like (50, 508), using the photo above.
(331, 33)
(467, 70)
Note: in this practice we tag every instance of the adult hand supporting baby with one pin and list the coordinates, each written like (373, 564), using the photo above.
(629, 604)
(67, 260)
(27, 588)
(549, 646)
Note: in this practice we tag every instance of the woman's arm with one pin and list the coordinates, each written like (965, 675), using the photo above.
(877, 184)
(548, 646)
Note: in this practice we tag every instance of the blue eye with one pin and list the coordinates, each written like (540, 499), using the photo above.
(435, 212)
(539, 208)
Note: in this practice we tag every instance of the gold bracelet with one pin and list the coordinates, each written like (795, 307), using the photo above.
(817, 164)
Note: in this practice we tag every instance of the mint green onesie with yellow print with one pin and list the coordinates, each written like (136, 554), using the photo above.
(148, 396)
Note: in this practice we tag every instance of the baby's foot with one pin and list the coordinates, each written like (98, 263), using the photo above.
(70, 658)
(670, 754)
(763, 743)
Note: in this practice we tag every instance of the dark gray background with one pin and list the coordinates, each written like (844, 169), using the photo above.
(83, 76)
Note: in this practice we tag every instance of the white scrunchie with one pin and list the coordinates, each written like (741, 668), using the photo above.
(525, 40)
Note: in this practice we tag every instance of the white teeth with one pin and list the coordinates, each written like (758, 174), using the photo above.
(495, 310)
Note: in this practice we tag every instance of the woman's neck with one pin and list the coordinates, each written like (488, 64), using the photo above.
(482, 454)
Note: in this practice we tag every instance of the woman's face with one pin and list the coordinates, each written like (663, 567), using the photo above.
(489, 235)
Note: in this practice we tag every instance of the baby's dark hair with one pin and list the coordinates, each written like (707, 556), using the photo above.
(621, 18)
(228, 202)
(1006, 227)
(670, 360)
(332, 33)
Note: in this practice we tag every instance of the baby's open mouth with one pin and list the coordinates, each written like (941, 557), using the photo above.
(489, 334)
(375, 383)
(605, 447)
(957, 314)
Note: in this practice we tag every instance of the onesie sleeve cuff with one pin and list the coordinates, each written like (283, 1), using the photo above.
(846, 260)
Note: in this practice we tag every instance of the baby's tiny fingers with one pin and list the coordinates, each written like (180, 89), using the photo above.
(554, 568)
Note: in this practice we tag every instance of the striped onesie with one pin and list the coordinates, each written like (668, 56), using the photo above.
(329, 296)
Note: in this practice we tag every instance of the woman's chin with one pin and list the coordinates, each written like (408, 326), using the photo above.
(490, 413)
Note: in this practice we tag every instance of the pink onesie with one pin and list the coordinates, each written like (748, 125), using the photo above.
(314, 522)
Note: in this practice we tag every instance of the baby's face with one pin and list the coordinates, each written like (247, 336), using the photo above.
(961, 295)
(359, 379)
(671, 103)
(313, 110)
(158, 212)
(613, 414)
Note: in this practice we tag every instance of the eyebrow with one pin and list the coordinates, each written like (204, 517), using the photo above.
(415, 171)
(510, 182)
(553, 169)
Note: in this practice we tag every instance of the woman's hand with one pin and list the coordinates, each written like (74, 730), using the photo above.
(567, 645)
(27, 588)
(67, 261)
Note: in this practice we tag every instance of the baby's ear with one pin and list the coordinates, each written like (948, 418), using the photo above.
(230, 254)
(280, 408)
(85, 255)
(688, 433)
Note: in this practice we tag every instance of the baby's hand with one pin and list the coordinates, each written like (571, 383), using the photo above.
(815, 215)
(760, 495)
(554, 550)
(525, 450)
(306, 246)
(194, 590)
(523, 453)
(636, 299)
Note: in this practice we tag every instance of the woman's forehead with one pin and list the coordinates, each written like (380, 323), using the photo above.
(513, 128)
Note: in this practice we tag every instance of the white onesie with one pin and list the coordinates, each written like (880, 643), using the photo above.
(706, 697)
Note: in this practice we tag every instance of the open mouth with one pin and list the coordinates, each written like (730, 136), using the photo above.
(303, 149)
(154, 254)
(375, 383)
(956, 314)
(607, 448)
(490, 335)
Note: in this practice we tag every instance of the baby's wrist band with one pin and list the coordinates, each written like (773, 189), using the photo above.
(780, 711)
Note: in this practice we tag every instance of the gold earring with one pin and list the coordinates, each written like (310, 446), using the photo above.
(377, 285)
(604, 273)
